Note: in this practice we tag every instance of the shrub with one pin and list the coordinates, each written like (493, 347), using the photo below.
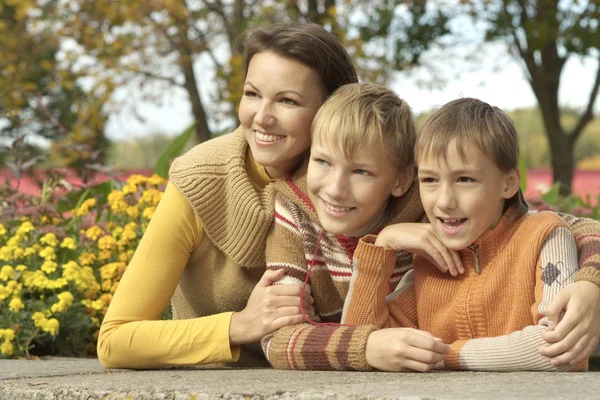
(61, 259)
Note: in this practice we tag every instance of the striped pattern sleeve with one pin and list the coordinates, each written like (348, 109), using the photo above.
(369, 300)
(285, 247)
(587, 236)
(519, 351)
(321, 347)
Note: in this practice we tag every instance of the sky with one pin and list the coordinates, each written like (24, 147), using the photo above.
(494, 77)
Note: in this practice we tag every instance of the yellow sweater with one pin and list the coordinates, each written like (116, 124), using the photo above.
(131, 335)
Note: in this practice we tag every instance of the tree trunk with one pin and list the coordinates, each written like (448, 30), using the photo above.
(562, 158)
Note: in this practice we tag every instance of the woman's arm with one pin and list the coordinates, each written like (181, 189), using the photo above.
(132, 336)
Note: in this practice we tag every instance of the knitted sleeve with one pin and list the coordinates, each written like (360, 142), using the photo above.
(368, 301)
(306, 346)
(587, 237)
(519, 351)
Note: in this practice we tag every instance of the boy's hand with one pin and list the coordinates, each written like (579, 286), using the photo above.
(574, 337)
(269, 308)
(418, 238)
(404, 349)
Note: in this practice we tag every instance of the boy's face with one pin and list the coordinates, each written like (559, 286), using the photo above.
(350, 195)
(463, 199)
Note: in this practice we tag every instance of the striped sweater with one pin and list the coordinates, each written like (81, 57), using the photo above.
(291, 244)
(493, 319)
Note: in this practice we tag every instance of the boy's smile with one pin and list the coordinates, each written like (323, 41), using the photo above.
(463, 198)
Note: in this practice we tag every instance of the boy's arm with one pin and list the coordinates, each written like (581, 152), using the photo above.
(587, 236)
(369, 300)
(305, 346)
(520, 350)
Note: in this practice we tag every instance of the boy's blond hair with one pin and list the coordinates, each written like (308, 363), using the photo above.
(473, 121)
(367, 114)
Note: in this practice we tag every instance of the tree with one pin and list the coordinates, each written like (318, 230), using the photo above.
(160, 41)
(543, 35)
(40, 93)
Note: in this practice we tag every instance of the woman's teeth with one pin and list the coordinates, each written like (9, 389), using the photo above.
(263, 137)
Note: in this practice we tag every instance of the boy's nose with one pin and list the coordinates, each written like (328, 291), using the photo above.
(446, 200)
(336, 187)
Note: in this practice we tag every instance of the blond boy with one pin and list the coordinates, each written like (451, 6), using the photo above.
(361, 177)
(493, 316)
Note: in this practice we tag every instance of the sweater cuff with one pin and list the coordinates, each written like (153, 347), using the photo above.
(452, 359)
(589, 274)
(375, 257)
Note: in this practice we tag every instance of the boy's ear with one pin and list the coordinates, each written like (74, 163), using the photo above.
(512, 182)
(405, 179)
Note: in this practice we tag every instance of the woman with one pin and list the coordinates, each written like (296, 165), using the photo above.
(208, 233)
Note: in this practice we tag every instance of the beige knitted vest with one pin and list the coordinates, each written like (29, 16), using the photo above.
(230, 260)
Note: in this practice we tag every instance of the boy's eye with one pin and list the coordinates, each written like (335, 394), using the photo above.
(320, 161)
(465, 179)
(289, 101)
(362, 172)
(426, 180)
(250, 93)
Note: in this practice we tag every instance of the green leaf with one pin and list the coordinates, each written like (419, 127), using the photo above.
(523, 168)
(175, 149)
(552, 196)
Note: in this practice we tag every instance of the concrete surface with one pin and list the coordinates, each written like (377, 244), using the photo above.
(87, 379)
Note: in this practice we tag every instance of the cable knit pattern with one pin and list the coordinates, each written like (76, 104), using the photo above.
(505, 303)
(236, 218)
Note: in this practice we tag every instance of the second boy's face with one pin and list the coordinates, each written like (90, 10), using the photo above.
(350, 195)
(463, 199)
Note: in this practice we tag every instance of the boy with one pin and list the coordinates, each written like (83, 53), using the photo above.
(360, 177)
(493, 316)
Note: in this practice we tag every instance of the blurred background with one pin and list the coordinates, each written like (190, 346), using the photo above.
(99, 85)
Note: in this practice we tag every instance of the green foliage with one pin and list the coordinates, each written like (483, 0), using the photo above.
(174, 149)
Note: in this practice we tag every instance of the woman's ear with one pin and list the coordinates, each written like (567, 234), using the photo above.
(404, 180)
(512, 183)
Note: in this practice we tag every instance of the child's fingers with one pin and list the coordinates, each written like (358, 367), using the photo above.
(457, 262)
(555, 308)
(587, 351)
(442, 256)
(563, 346)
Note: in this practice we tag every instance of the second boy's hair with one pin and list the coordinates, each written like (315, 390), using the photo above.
(367, 114)
(470, 121)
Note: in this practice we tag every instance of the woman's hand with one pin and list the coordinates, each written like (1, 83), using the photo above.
(405, 349)
(418, 238)
(269, 308)
(574, 337)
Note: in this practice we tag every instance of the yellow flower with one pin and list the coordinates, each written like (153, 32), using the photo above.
(84, 209)
(5, 253)
(4, 293)
(25, 228)
(48, 253)
(21, 267)
(68, 243)
(87, 258)
(49, 267)
(2, 230)
(18, 253)
(14, 287)
(8, 334)
(6, 348)
(29, 251)
(136, 180)
(7, 272)
(104, 255)
(133, 211)
(148, 212)
(66, 297)
(38, 319)
(94, 232)
(50, 239)
(156, 180)
(51, 326)
(16, 304)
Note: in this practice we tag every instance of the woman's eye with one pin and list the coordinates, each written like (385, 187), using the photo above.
(289, 101)
(250, 93)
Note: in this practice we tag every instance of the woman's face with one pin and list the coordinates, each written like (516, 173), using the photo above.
(281, 97)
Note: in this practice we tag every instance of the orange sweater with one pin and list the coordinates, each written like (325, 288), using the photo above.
(492, 319)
